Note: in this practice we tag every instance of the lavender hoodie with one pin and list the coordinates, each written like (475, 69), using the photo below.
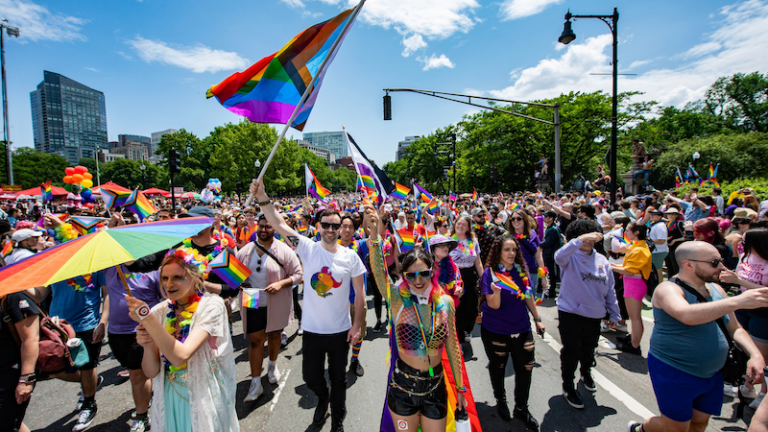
(587, 287)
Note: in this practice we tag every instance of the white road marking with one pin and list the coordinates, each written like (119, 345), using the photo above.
(279, 389)
(631, 403)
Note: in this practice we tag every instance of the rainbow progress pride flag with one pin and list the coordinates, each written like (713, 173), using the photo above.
(251, 298)
(422, 193)
(400, 191)
(46, 191)
(313, 185)
(114, 198)
(86, 224)
(138, 203)
(271, 89)
(229, 269)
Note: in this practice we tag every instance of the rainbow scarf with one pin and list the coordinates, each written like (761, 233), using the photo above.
(46, 191)
(229, 269)
(271, 89)
(400, 191)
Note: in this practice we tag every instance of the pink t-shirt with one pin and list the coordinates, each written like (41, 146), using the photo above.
(753, 269)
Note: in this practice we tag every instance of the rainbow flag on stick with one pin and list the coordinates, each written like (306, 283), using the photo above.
(251, 298)
(138, 203)
(7, 249)
(287, 82)
(422, 193)
(474, 194)
(453, 196)
(86, 224)
(406, 239)
(229, 269)
(46, 191)
(313, 185)
(400, 191)
(372, 186)
(505, 282)
(713, 174)
(114, 198)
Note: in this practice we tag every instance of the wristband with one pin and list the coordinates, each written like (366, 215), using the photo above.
(143, 312)
(537, 319)
(461, 390)
(263, 203)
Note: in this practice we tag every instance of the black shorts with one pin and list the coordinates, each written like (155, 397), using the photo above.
(11, 414)
(432, 405)
(257, 319)
(126, 350)
(94, 351)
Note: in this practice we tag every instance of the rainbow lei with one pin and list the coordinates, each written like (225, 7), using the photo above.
(504, 282)
(190, 255)
(542, 271)
(469, 248)
(179, 329)
(65, 232)
(521, 236)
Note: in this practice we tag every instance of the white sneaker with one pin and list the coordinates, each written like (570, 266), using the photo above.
(604, 327)
(301, 331)
(283, 339)
(273, 374)
(468, 338)
(756, 403)
(621, 328)
(731, 391)
(255, 391)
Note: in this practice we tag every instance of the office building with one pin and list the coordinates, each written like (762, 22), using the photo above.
(143, 140)
(105, 156)
(317, 151)
(402, 146)
(336, 142)
(157, 137)
(132, 150)
(68, 118)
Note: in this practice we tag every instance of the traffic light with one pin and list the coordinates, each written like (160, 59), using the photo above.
(387, 107)
(174, 161)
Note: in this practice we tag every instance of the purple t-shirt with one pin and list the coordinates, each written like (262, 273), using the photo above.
(512, 315)
(144, 286)
(529, 246)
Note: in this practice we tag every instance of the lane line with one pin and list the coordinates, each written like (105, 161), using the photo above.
(279, 390)
(631, 403)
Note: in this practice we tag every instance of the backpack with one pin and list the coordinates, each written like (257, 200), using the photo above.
(53, 354)
(653, 280)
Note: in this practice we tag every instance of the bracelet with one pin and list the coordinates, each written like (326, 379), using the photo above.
(461, 390)
(537, 319)
(143, 312)
(263, 203)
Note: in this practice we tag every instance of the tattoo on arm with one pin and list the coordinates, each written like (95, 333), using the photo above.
(294, 241)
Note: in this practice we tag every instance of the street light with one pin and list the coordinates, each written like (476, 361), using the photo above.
(696, 156)
(142, 168)
(12, 31)
(569, 36)
(257, 164)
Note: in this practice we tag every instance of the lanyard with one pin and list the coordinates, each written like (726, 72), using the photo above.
(423, 336)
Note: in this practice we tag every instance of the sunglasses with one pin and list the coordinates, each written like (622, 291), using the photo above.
(266, 227)
(516, 219)
(327, 225)
(424, 274)
(714, 263)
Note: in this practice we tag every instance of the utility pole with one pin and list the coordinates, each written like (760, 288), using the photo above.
(12, 31)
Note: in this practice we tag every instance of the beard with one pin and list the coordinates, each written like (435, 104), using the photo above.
(708, 277)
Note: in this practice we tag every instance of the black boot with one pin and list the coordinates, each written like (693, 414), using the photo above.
(525, 416)
(503, 409)
(321, 412)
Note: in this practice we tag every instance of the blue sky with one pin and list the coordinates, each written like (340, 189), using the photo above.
(155, 59)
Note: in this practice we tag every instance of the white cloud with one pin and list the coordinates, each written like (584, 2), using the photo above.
(435, 62)
(413, 44)
(638, 63)
(294, 3)
(197, 58)
(92, 69)
(474, 92)
(701, 49)
(514, 9)
(731, 48)
(38, 23)
(308, 14)
(124, 55)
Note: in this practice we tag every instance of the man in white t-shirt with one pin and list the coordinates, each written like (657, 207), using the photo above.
(659, 237)
(330, 271)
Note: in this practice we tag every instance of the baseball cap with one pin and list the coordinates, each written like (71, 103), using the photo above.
(24, 234)
(477, 210)
(197, 211)
(656, 212)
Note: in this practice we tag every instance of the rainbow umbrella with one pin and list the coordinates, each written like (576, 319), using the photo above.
(97, 251)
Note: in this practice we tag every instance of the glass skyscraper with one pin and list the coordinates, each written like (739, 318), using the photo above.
(335, 142)
(68, 118)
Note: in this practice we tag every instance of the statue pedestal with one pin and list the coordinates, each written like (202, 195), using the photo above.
(629, 188)
(544, 185)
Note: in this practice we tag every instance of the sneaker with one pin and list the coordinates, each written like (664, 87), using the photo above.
(756, 403)
(125, 373)
(572, 397)
(80, 401)
(85, 418)
(625, 339)
(140, 425)
(589, 383)
(604, 327)
(503, 409)
(377, 327)
(525, 416)
(356, 367)
(273, 374)
(621, 328)
(634, 427)
(301, 331)
(733, 392)
(283, 339)
(468, 338)
(255, 391)
(629, 348)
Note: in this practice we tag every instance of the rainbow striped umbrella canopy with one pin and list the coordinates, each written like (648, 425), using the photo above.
(97, 251)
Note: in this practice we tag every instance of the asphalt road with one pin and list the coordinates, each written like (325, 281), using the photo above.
(624, 390)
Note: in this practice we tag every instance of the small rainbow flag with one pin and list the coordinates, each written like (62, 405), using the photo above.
(422, 193)
(85, 224)
(46, 191)
(474, 194)
(505, 282)
(713, 174)
(138, 203)
(301, 229)
(7, 249)
(433, 206)
(313, 185)
(623, 239)
(400, 191)
(669, 224)
(114, 198)
(540, 300)
(453, 196)
(406, 239)
(229, 269)
(514, 206)
(251, 298)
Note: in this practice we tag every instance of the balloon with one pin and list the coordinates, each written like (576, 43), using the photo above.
(87, 184)
(77, 178)
(89, 205)
(88, 176)
(68, 187)
(80, 169)
(69, 171)
(68, 179)
(86, 194)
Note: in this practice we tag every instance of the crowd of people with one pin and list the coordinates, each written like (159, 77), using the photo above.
(435, 269)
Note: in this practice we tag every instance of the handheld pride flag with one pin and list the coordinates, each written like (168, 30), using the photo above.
(453, 196)
(407, 239)
(474, 194)
(713, 174)
(138, 203)
(114, 198)
(422, 193)
(46, 191)
(400, 191)
(7, 249)
(313, 185)
(86, 224)
(505, 282)
(251, 298)
(287, 82)
(373, 188)
(229, 269)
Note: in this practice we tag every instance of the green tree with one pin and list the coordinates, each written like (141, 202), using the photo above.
(195, 158)
(31, 167)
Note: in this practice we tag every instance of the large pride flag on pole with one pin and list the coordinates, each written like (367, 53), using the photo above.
(272, 89)
(371, 185)
(313, 185)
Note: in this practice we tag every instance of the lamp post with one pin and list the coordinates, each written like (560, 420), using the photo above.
(567, 37)
(12, 31)
(142, 168)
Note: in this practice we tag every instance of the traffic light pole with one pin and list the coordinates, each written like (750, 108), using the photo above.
(173, 194)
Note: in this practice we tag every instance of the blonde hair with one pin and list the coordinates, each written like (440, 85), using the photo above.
(192, 272)
(470, 233)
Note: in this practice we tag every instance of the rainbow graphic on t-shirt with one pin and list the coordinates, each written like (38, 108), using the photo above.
(322, 282)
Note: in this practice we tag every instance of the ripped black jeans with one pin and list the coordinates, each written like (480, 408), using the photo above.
(499, 348)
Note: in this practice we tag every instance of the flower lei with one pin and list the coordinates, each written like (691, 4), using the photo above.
(526, 293)
(469, 248)
(190, 255)
(65, 233)
(179, 329)
(435, 296)
(521, 236)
